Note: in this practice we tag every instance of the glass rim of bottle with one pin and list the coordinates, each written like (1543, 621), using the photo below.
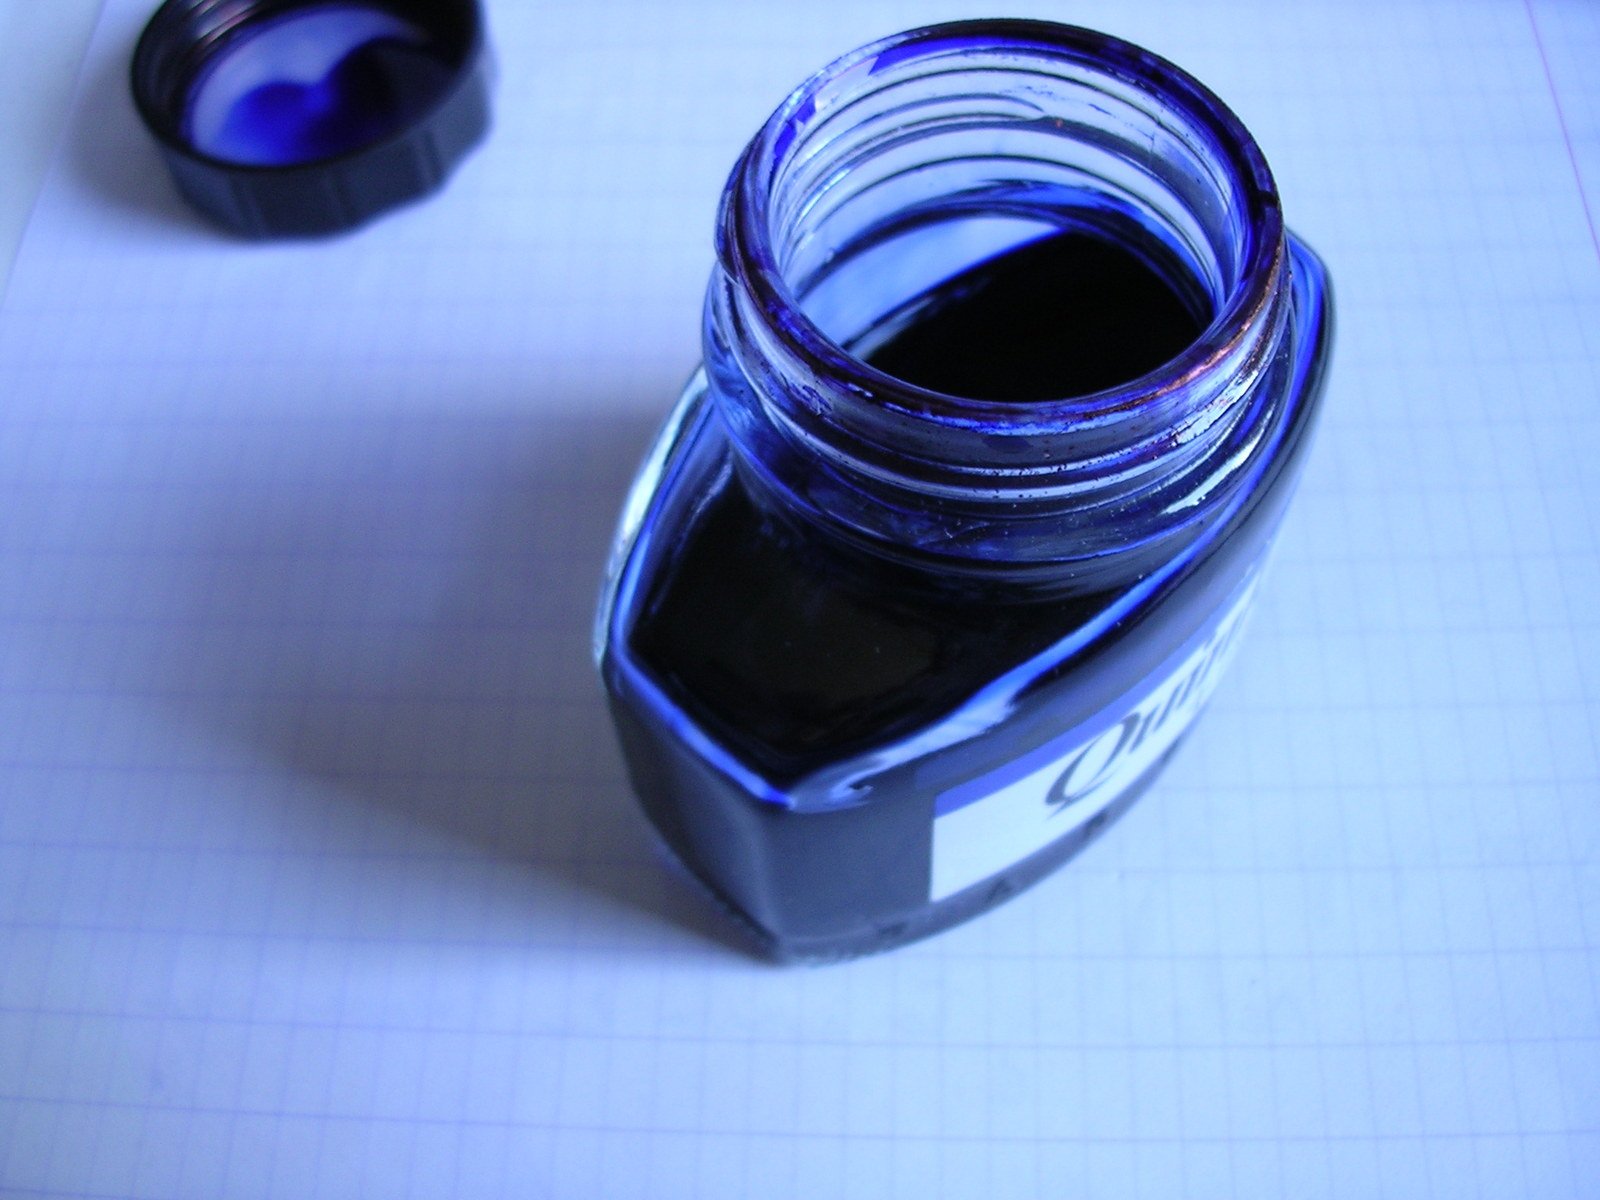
(746, 222)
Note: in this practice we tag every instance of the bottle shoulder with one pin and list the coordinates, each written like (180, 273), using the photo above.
(815, 673)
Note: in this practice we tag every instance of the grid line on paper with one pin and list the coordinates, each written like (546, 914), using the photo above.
(625, 1037)
(1566, 131)
(1265, 870)
(155, 930)
(779, 1133)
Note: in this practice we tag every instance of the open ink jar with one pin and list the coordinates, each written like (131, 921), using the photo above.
(295, 117)
(1009, 370)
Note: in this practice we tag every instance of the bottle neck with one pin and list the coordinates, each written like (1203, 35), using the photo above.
(912, 160)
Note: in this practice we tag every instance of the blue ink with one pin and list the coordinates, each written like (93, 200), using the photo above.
(1010, 367)
(313, 84)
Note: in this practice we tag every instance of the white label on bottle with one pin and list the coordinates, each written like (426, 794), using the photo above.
(990, 823)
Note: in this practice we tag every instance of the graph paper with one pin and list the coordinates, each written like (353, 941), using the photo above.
(319, 873)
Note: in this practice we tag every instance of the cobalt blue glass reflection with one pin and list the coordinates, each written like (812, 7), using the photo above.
(1009, 369)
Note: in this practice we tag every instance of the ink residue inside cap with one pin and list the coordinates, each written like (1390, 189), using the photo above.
(312, 84)
(297, 117)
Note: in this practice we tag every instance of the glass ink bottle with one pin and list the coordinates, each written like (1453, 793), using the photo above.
(1010, 366)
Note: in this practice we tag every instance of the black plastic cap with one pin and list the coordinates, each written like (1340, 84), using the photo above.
(184, 41)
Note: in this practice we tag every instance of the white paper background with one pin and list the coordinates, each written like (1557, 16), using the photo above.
(318, 872)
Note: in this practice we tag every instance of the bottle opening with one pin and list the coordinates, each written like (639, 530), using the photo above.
(970, 158)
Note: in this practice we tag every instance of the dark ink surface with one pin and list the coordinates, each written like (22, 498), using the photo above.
(1066, 315)
(798, 657)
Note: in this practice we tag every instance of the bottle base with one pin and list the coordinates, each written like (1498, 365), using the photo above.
(793, 948)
